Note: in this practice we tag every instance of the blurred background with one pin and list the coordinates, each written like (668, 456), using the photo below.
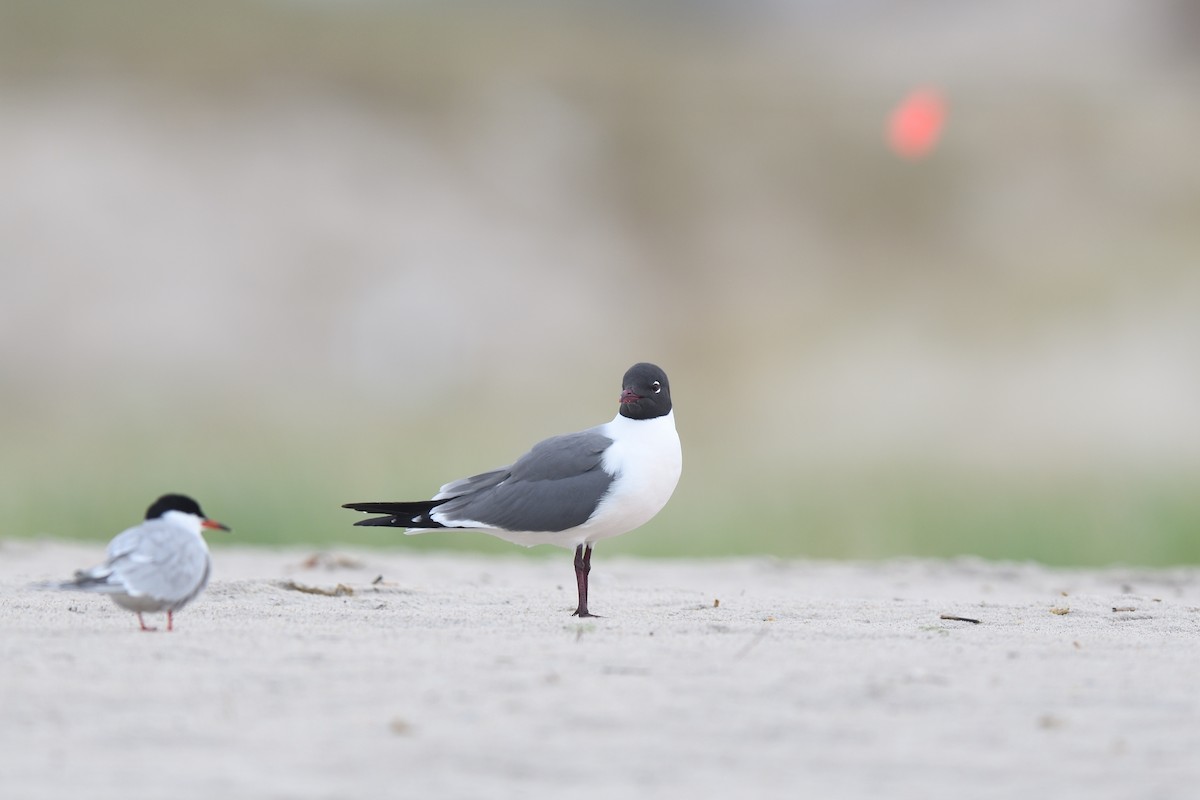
(285, 255)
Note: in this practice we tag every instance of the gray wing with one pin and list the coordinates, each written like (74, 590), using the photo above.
(475, 483)
(157, 560)
(555, 486)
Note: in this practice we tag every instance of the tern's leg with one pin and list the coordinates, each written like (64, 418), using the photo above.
(142, 622)
(583, 565)
(170, 622)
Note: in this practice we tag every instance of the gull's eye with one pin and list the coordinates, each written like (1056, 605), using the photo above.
(656, 386)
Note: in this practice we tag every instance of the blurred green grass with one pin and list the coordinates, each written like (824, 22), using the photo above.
(275, 487)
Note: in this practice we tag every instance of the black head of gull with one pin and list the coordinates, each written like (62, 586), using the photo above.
(645, 392)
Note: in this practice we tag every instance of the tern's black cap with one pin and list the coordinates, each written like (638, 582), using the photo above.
(173, 502)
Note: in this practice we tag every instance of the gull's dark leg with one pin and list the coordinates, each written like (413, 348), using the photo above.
(583, 565)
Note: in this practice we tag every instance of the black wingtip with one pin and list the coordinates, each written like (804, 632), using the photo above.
(373, 508)
(390, 522)
(398, 515)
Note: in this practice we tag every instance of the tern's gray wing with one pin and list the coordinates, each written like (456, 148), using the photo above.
(158, 560)
(555, 486)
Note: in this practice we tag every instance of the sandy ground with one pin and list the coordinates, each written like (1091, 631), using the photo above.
(458, 676)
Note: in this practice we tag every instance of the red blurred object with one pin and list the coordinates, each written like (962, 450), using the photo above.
(916, 125)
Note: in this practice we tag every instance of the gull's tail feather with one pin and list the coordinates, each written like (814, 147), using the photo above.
(399, 515)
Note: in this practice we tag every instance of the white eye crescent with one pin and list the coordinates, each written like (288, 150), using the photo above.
(656, 386)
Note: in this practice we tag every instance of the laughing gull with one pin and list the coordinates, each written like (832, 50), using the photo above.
(571, 490)
(160, 565)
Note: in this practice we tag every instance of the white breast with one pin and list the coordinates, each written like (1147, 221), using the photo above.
(646, 460)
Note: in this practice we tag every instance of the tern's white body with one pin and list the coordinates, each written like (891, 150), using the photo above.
(160, 565)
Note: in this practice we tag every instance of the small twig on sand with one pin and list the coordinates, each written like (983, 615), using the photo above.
(338, 591)
(960, 619)
(1117, 609)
